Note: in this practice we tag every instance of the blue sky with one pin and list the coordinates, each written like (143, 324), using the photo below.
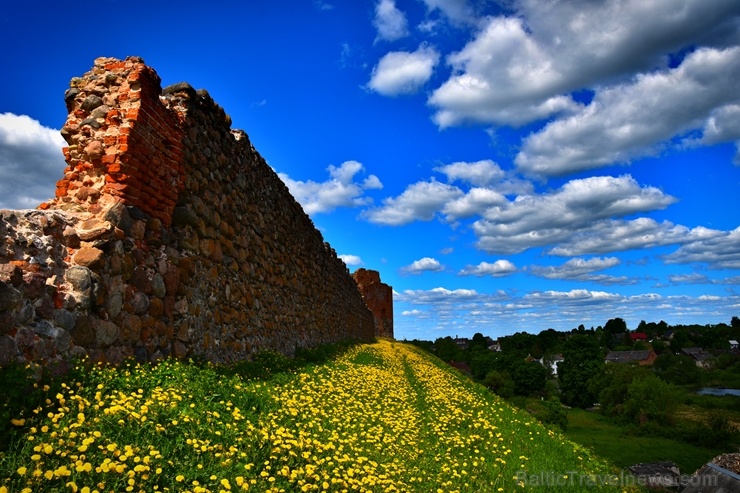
(506, 166)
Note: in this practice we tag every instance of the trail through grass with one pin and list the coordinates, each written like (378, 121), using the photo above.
(378, 418)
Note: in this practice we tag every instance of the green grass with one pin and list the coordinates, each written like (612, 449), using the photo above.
(375, 418)
(624, 449)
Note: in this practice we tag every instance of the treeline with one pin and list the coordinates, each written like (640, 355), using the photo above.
(570, 367)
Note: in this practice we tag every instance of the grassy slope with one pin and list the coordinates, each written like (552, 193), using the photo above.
(380, 417)
(610, 440)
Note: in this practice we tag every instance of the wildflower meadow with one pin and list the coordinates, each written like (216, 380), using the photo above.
(379, 417)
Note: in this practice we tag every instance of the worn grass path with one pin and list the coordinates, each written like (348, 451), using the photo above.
(378, 418)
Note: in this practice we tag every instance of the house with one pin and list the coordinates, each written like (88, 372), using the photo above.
(462, 342)
(638, 336)
(642, 358)
(668, 335)
(551, 362)
(721, 475)
(734, 345)
(700, 356)
(495, 346)
(657, 474)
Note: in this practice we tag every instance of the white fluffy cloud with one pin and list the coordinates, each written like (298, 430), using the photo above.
(553, 218)
(426, 264)
(480, 173)
(627, 121)
(350, 260)
(561, 310)
(389, 21)
(499, 268)
(621, 235)
(719, 250)
(31, 161)
(403, 72)
(419, 202)
(580, 269)
(341, 190)
(524, 67)
(457, 11)
(438, 295)
(474, 202)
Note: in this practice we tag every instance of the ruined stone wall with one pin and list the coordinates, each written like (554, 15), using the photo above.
(379, 298)
(169, 235)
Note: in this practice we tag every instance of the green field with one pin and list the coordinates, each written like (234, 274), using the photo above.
(376, 418)
(625, 449)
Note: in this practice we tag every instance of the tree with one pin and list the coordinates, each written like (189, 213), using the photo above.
(678, 369)
(549, 341)
(612, 385)
(555, 414)
(616, 326)
(478, 343)
(735, 323)
(529, 377)
(519, 343)
(650, 399)
(483, 362)
(500, 383)
(446, 349)
(582, 360)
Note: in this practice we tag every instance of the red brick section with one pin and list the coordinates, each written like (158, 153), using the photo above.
(123, 141)
(378, 298)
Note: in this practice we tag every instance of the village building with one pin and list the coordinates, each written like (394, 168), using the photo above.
(700, 356)
(642, 358)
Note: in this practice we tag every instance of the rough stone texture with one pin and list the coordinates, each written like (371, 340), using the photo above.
(168, 235)
(379, 298)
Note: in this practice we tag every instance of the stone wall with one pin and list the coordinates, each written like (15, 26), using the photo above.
(379, 298)
(169, 235)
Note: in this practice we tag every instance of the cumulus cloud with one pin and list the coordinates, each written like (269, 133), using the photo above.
(575, 209)
(31, 161)
(499, 268)
(474, 202)
(581, 297)
(439, 295)
(716, 249)
(419, 202)
(580, 269)
(723, 125)
(524, 67)
(402, 72)
(562, 310)
(341, 190)
(693, 278)
(389, 21)
(631, 120)
(613, 236)
(457, 11)
(350, 259)
(480, 173)
(426, 264)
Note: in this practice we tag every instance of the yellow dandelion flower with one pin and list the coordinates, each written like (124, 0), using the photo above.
(17, 422)
(21, 471)
(179, 478)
